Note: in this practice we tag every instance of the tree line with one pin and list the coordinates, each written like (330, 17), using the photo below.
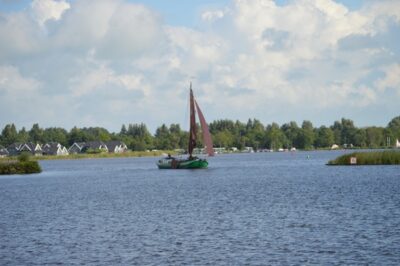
(226, 133)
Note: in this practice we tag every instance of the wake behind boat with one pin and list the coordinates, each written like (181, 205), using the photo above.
(192, 162)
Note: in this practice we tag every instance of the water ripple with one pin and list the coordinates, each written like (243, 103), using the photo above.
(253, 209)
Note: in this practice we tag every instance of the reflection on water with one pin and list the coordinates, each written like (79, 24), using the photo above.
(269, 208)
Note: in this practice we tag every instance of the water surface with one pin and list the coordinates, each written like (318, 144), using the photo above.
(254, 209)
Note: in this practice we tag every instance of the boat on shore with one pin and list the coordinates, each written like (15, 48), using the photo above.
(191, 162)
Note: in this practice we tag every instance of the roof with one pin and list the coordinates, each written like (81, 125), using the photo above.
(114, 143)
(14, 146)
(95, 145)
(28, 146)
(4, 151)
(51, 147)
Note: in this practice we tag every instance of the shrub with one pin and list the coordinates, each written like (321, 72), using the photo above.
(369, 158)
(24, 157)
(28, 167)
(93, 151)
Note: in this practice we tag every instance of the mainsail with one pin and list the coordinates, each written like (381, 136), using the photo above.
(206, 132)
(204, 127)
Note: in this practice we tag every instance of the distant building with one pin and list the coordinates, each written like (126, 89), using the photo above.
(95, 145)
(116, 146)
(4, 152)
(54, 148)
(248, 149)
(218, 150)
(397, 143)
(76, 148)
(18, 148)
(334, 147)
(82, 147)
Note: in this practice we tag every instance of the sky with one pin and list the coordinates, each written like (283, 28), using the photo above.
(66, 63)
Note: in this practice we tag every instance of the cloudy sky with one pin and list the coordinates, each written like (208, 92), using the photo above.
(112, 62)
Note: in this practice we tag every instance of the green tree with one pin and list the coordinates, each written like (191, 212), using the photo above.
(76, 135)
(223, 139)
(36, 134)
(348, 131)
(176, 135)
(162, 138)
(292, 132)
(9, 135)
(256, 134)
(360, 138)
(375, 137)
(306, 137)
(275, 138)
(123, 131)
(96, 133)
(139, 138)
(337, 132)
(55, 134)
(394, 126)
(325, 137)
(23, 136)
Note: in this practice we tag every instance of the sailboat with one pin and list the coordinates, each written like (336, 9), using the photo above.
(192, 162)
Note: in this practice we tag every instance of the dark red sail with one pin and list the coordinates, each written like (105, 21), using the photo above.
(206, 132)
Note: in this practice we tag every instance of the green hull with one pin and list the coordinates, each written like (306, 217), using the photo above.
(182, 164)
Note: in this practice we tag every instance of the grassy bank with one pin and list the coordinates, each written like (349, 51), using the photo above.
(368, 158)
(21, 166)
(99, 155)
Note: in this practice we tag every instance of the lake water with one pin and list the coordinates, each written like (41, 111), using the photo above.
(246, 209)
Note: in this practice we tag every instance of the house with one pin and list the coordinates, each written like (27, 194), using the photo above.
(334, 147)
(13, 149)
(54, 148)
(116, 146)
(35, 149)
(18, 148)
(3, 152)
(218, 150)
(248, 149)
(82, 147)
(95, 146)
(76, 148)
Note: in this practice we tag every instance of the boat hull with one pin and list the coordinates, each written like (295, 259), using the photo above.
(196, 163)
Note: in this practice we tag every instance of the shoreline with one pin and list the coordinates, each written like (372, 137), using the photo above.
(383, 157)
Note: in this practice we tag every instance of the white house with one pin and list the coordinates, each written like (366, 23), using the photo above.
(334, 147)
(76, 148)
(116, 146)
(18, 148)
(54, 148)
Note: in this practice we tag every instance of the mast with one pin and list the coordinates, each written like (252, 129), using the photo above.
(192, 130)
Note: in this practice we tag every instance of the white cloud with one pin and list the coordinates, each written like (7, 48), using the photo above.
(391, 80)
(44, 10)
(211, 16)
(13, 83)
(254, 56)
(19, 35)
(102, 78)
